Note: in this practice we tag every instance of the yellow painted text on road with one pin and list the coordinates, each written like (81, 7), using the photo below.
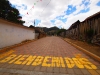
(49, 61)
(6, 53)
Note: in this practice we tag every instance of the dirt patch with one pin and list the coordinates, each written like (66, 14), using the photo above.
(89, 47)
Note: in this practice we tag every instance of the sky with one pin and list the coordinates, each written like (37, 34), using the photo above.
(50, 13)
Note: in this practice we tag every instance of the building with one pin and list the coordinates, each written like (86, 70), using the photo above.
(88, 30)
(73, 31)
(12, 33)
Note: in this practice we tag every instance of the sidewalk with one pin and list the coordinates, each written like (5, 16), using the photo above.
(47, 56)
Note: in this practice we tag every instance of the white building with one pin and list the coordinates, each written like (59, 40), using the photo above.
(12, 33)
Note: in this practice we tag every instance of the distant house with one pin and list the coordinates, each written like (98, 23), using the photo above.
(38, 32)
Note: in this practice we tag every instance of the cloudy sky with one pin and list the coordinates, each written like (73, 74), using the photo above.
(60, 13)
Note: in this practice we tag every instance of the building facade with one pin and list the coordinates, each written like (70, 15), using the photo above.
(88, 30)
(11, 33)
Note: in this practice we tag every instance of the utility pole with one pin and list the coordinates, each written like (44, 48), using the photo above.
(34, 22)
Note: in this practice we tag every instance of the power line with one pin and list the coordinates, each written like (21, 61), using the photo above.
(42, 10)
(46, 6)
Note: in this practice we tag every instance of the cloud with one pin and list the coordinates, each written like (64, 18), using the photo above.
(82, 12)
(70, 9)
(59, 23)
(53, 21)
(37, 22)
(98, 3)
(58, 13)
(20, 7)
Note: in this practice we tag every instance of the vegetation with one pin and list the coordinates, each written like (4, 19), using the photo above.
(9, 13)
(60, 30)
(49, 31)
(89, 35)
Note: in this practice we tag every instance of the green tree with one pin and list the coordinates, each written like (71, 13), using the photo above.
(10, 13)
(60, 30)
(89, 35)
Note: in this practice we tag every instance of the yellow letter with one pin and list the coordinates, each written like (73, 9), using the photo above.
(87, 64)
(8, 58)
(55, 62)
(77, 62)
(46, 61)
(19, 61)
(62, 62)
(69, 62)
(38, 61)
(29, 60)
(15, 59)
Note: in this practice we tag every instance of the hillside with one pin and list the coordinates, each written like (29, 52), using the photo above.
(51, 31)
(48, 31)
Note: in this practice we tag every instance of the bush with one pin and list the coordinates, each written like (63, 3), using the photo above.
(89, 35)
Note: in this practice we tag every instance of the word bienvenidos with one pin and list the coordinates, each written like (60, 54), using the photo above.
(49, 61)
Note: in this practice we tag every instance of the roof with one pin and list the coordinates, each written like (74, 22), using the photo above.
(93, 16)
(74, 25)
(19, 25)
(37, 30)
(15, 24)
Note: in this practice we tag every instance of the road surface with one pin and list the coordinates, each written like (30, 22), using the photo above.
(47, 56)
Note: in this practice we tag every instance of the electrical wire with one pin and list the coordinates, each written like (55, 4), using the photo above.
(42, 10)
(46, 6)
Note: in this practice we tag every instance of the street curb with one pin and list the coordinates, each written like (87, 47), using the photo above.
(16, 45)
(85, 51)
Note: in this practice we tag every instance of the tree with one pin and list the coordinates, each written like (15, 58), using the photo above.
(9, 13)
(60, 30)
(89, 35)
(31, 26)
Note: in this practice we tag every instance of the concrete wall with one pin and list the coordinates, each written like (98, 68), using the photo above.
(11, 33)
(36, 35)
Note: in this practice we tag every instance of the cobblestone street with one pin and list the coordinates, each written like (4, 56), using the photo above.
(47, 56)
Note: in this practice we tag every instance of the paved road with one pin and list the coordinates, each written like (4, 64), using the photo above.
(47, 56)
